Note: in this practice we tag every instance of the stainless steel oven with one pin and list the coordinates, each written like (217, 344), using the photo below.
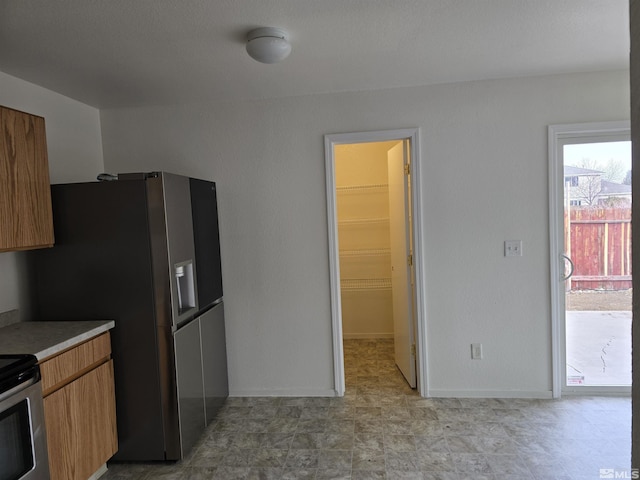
(23, 447)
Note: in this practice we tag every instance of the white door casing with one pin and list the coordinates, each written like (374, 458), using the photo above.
(412, 136)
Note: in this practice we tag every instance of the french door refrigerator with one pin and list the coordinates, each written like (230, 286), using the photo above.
(143, 250)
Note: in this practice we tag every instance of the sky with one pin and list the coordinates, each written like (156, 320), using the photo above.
(601, 153)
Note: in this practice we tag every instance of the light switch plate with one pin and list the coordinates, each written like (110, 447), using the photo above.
(513, 248)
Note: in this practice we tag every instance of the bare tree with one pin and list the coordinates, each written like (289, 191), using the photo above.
(588, 189)
(613, 170)
(589, 186)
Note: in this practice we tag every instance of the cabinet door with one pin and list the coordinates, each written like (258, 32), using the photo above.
(26, 220)
(81, 425)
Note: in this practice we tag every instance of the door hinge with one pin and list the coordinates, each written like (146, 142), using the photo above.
(413, 349)
(410, 260)
(406, 169)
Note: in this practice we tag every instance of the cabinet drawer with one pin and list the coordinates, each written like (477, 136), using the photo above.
(69, 365)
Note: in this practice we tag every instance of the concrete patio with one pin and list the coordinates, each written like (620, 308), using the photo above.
(598, 348)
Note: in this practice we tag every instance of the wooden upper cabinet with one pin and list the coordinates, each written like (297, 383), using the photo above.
(26, 219)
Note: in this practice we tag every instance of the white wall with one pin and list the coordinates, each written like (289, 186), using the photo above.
(74, 148)
(484, 180)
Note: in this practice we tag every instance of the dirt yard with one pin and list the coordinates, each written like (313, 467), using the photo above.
(599, 300)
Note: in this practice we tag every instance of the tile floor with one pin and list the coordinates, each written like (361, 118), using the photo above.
(381, 429)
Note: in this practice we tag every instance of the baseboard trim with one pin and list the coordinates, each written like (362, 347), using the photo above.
(289, 392)
(99, 473)
(542, 394)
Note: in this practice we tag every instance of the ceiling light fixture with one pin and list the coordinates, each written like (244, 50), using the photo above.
(268, 44)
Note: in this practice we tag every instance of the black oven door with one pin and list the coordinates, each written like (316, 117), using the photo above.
(23, 455)
(16, 454)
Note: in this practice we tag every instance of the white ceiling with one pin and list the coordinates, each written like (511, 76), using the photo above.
(113, 53)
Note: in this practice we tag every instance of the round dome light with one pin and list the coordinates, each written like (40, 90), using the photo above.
(268, 44)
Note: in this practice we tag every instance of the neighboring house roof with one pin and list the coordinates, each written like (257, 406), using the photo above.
(610, 188)
(570, 171)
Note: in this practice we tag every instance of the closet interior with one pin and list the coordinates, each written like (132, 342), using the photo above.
(362, 195)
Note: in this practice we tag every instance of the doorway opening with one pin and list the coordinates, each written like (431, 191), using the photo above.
(374, 233)
(590, 182)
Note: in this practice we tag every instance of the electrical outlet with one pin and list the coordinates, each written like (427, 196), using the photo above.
(476, 351)
(513, 248)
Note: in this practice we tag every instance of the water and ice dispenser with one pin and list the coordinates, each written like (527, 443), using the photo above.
(186, 286)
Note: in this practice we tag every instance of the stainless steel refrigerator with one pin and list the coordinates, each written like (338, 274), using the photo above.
(143, 249)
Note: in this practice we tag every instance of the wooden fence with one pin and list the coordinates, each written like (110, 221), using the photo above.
(599, 243)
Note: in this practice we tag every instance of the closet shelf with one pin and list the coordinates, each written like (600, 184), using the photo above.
(361, 188)
(364, 221)
(379, 252)
(366, 284)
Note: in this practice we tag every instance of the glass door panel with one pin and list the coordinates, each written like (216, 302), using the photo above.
(597, 248)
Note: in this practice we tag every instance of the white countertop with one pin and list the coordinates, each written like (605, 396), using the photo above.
(44, 339)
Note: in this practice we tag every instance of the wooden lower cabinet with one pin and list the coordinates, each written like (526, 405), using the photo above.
(80, 419)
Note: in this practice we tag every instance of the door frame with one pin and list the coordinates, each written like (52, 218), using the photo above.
(330, 140)
(558, 136)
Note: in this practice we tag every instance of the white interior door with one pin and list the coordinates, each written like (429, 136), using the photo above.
(401, 261)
